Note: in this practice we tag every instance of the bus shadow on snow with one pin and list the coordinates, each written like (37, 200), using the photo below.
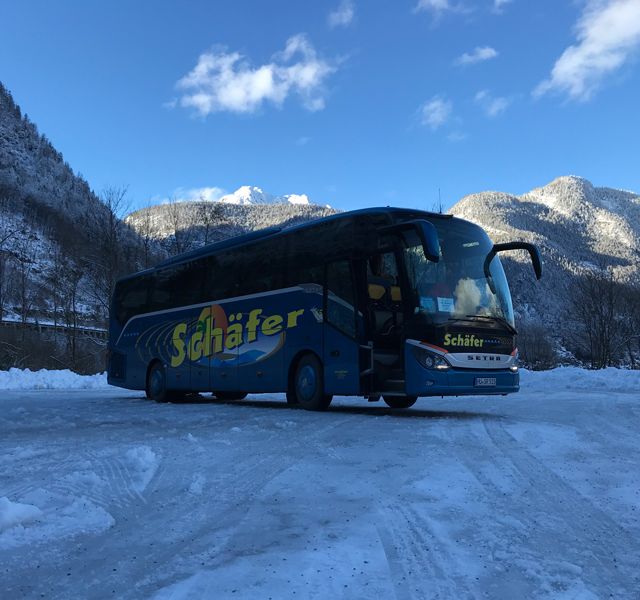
(378, 410)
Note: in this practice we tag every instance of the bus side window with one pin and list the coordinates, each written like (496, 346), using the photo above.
(160, 286)
(187, 283)
(261, 267)
(340, 297)
(220, 277)
(131, 299)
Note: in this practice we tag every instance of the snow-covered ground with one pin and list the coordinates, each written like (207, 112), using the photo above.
(536, 495)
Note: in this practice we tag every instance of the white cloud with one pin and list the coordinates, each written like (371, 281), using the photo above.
(492, 105)
(436, 112)
(434, 6)
(479, 54)
(223, 81)
(498, 5)
(457, 136)
(343, 15)
(208, 194)
(608, 34)
(439, 7)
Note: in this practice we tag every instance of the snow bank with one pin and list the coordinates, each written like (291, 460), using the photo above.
(144, 462)
(573, 378)
(15, 513)
(49, 516)
(25, 379)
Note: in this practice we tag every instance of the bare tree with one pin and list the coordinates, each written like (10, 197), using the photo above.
(597, 309)
(208, 215)
(181, 231)
(535, 347)
(71, 277)
(9, 231)
(24, 253)
(54, 279)
(108, 261)
(144, 228)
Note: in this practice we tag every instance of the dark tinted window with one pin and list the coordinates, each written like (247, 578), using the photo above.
(131, 298)
(188, 283)
(160, 290)
(222, 276)
(261, 267)
(341, 297)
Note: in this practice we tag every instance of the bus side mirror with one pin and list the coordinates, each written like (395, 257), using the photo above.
(427, 233)
(532, 249)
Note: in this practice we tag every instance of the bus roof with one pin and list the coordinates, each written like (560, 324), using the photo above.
(247, 238)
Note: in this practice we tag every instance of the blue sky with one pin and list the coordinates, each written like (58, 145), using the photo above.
(355, 103)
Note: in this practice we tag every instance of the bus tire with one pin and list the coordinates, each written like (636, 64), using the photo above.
(230, 395)
(400, 401)
(308, 384)
(156, 386)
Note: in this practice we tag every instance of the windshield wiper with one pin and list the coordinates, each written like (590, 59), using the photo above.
(500, 320)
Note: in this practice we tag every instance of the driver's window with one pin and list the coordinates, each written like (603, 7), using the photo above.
(382, 277)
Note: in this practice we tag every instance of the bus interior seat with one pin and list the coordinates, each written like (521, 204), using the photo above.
(376, 291)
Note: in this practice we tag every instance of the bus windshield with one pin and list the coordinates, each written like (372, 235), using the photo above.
(459, 286)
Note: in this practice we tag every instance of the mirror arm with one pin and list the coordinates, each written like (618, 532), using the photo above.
(532, 249)
(416, 225)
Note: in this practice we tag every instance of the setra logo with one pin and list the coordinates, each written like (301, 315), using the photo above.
(216, 332)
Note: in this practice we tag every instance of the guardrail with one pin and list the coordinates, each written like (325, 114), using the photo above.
(86, 332)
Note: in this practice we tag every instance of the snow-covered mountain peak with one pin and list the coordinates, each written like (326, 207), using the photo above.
(252, 195)
(247, 194)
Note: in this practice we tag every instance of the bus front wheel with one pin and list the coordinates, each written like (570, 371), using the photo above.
(308, 385)
(400, 401)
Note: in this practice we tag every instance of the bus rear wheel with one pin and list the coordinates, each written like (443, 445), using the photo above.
(308, 385)
(230, 395)
(156, 388)
(400, 401)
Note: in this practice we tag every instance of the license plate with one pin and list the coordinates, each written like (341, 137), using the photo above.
(485, 382)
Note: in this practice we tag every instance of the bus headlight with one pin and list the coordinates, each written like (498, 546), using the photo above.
(431, 360)
(514, 367)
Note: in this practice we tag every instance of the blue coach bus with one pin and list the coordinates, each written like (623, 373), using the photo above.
(381, 303)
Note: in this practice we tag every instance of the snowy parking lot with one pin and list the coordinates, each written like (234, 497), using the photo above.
(536, 495)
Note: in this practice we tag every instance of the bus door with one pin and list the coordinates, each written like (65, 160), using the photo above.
(385, 317)
(340, 344)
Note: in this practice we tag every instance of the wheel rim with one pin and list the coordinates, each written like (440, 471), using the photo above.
(306, 383)
(156, 382)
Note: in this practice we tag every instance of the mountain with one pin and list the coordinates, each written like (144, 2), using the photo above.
(251, 195)
(61, 246)
(578, 228)
(33, 172)
(182, 226)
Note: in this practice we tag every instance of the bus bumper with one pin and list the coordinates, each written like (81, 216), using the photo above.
(420, 381)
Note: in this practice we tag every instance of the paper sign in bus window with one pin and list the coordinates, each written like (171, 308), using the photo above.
(445, 304)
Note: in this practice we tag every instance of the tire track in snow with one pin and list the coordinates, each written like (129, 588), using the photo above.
(420, 565)
(206, 534)
(617, 552)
